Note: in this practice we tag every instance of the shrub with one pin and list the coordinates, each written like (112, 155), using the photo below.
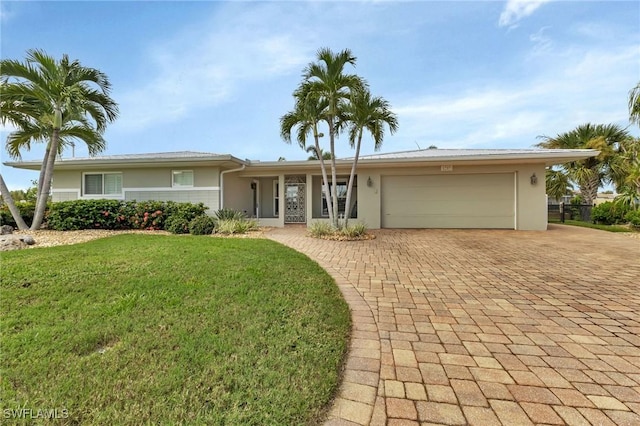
(609, 213)
(229, 214)
(149, 215)
(236, 226)
(577, 200)
(202, 225)
(177, 225)
(179, 215)
(115, 214)
(354, 231)
(633, 217)
(88, 214)
(26, 209)
(321, 229)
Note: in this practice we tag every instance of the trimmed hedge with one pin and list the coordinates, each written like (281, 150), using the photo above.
(609, 213)
(633, 217)
(202, 225)
(26, 209)
(115, 214)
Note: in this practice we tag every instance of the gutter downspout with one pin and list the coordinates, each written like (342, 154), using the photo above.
(222, 182)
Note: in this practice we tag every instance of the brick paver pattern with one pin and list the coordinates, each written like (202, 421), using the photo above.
(486, 327)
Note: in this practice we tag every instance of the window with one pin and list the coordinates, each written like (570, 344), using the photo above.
(103, 183)
(341, 190)
(276, 198)
(182, 178)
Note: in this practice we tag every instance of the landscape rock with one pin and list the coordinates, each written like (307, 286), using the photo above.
(6, 229)
(28, 239)
(12, 242)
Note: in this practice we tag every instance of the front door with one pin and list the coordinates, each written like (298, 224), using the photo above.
(294, 202)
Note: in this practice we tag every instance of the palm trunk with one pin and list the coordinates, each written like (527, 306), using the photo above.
(325, 181)
(589, 189)
(43, 192)
(45, 159)
(6, 196)
(334, 177)
(347, 207)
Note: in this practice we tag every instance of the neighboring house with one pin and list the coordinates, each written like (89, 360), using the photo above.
(430, 188)
(604, 197)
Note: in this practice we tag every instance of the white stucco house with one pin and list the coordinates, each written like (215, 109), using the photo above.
(430, 188)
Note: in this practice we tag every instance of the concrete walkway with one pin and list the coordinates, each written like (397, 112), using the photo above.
(487, 327)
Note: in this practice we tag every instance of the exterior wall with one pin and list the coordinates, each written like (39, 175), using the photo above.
(530, 208)
(155, 183)
(66, 185)
(238, 194)
(267, 198)
(531, 200)
(145, 184)
(369, 201)
(161, 177)
(208, 198)
(64, 196)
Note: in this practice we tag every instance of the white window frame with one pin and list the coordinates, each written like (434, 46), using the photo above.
(276, 198)
(323, 203)
(177, 185)
(103, 194)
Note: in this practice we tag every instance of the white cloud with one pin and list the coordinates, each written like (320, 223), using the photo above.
(516, 10)
(197, 69)
(541, 42)
(566, 88)
(5, 13)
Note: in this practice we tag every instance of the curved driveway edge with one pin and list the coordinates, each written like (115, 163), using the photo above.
(487, 326)
(357, 394)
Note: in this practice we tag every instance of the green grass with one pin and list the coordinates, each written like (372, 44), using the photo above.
(610, 228)
(141, 329)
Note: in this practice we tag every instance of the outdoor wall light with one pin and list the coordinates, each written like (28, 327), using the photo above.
(369, 182)
(534, 179)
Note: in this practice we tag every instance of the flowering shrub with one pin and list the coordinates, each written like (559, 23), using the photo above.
(115, 214)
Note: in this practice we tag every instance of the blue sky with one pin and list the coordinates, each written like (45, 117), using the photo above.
(217, 76)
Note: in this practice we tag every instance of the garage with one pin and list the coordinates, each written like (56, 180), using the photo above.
(448, 201)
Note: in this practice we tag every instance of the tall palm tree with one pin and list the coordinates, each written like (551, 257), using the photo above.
(315, 155)
(326, 81)
(634, 105)
(306, 116)
(365, 112)
(593, 172)
(557, 183)
(54, 102)
(626, 170)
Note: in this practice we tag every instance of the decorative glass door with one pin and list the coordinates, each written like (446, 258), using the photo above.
(294, 202)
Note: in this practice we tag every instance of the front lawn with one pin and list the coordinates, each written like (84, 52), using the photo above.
(141, 329)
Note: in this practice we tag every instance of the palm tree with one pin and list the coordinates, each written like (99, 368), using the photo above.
(54, 102)
(365, 112)
(634, 104)
(306, 116)
(557, 183)
(326, 81)
(314, 153)
(627, 172)
(591, 173)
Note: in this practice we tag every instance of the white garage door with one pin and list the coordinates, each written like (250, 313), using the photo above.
(448, 201)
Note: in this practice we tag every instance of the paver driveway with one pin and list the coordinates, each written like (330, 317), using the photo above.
(487, 327)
